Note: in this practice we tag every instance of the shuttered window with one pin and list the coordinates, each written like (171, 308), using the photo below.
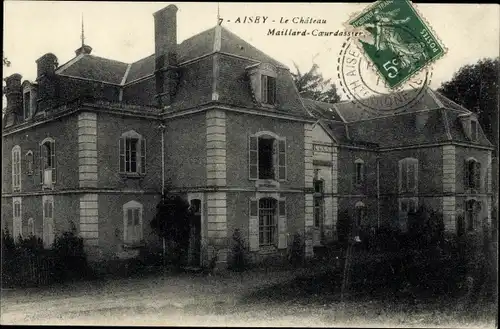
(16, 168)
(408, 175)
(133, 230)
(359, 166)
(17, 228)
(48, 221)
(267, 158)
(268, 89)
(48, 162)
(472, 174)
(29, 163)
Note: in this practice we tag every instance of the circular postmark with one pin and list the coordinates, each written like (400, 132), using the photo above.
(361, 81)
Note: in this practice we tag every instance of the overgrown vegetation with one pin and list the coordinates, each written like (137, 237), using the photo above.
(27, 263)
(297, 250)
(239, 255)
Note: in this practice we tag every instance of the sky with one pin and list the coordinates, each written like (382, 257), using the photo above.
(124, 31)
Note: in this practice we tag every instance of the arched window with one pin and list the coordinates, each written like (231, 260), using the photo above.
(132, 153)
(360, 213)
(359, 176)
(31, 227)
(267, 156)
(17, 223)
(472, 209)
(16, 168)
(132, 223)
(408, 175)
(29, 163)
(267, 221)
(472, 174)
(48, 220)
(48, 162)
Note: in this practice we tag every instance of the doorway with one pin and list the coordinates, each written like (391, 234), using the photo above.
(194, 255)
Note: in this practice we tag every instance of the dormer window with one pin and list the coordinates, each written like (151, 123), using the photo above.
(268, 89)
(473, 130)
(27, 104)
(263, 83)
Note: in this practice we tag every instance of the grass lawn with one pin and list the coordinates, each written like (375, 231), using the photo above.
(302, 297)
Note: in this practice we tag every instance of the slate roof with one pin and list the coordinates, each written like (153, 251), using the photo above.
(97, 68)
(427, 121)
(321, 110)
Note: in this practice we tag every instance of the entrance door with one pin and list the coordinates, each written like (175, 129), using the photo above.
(195, 233)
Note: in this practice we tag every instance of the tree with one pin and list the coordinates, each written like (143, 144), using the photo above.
(171, 223)
(476, 88)
(312, 85)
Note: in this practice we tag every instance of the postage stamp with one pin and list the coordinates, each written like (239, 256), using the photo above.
(399, 42)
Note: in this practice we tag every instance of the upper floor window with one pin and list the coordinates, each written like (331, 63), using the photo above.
(17, 227)
(132, 153)
(360, 213)
(267, 157)
(359, 171)
(31, 227)
(48, 162)
(132, 223)
(16, 168)
(408, 175)
(29, 163)
(268, 89)
(27, 104)
(473, 130)
(472, 174)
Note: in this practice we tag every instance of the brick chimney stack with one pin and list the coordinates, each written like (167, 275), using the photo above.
(165, 54)
(13, 94)
(46, 71)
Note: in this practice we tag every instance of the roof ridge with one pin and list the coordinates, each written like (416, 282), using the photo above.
(108, 59)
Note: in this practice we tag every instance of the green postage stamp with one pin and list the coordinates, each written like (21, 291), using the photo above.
(396, 39)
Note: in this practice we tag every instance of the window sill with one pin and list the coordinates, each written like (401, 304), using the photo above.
(133, 246)
(267, 249)
(267, 183)
(268, 106)
(132, 175)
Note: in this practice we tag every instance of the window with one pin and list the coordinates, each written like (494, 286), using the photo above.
(27, 105)
(267, 157)
(16, 168)
(17, 226)
(408, 175)
(132, 153)
(48, 162)
(408, 205)
(48, 220)
(31, 227)
(318, 203)
(473, 130)
(267, 222)
(360, 212)
(472, 209)
(29, 163)
(360, 171)
(472, 174)
(268, 89)
(132, 222)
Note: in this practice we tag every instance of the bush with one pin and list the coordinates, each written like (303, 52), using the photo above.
(70, 258)
(238, 261)
(296, 253)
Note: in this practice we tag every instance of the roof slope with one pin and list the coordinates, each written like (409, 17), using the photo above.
(96, 68)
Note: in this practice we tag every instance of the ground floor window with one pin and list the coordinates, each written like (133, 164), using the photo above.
(48, 221)
(17, 224)
(132, 222)
(472, 209)
(267, 221)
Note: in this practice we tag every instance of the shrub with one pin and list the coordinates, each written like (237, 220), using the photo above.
(296, 252)
(238, 261)
(70, 260)
(344, 227)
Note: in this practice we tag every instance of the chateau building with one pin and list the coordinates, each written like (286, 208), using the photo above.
(90, 143)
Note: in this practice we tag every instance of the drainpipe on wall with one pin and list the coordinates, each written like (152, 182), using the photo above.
(162, 127)
(378, 192)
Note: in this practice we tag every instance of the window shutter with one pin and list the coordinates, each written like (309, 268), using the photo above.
(253, 157)
(41, 164)
(271, 90)
(415, 176)
(282, 160)
(282, 243)
(253, 227)
(466, 174)
(477, 175)
(122, 154)
(401, 163)
(143, 156)
(263, 89)
(53, 160)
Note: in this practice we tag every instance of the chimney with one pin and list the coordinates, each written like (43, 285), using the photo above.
(165, 54)
(13, 94)
(84, 49)
(46, 72)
